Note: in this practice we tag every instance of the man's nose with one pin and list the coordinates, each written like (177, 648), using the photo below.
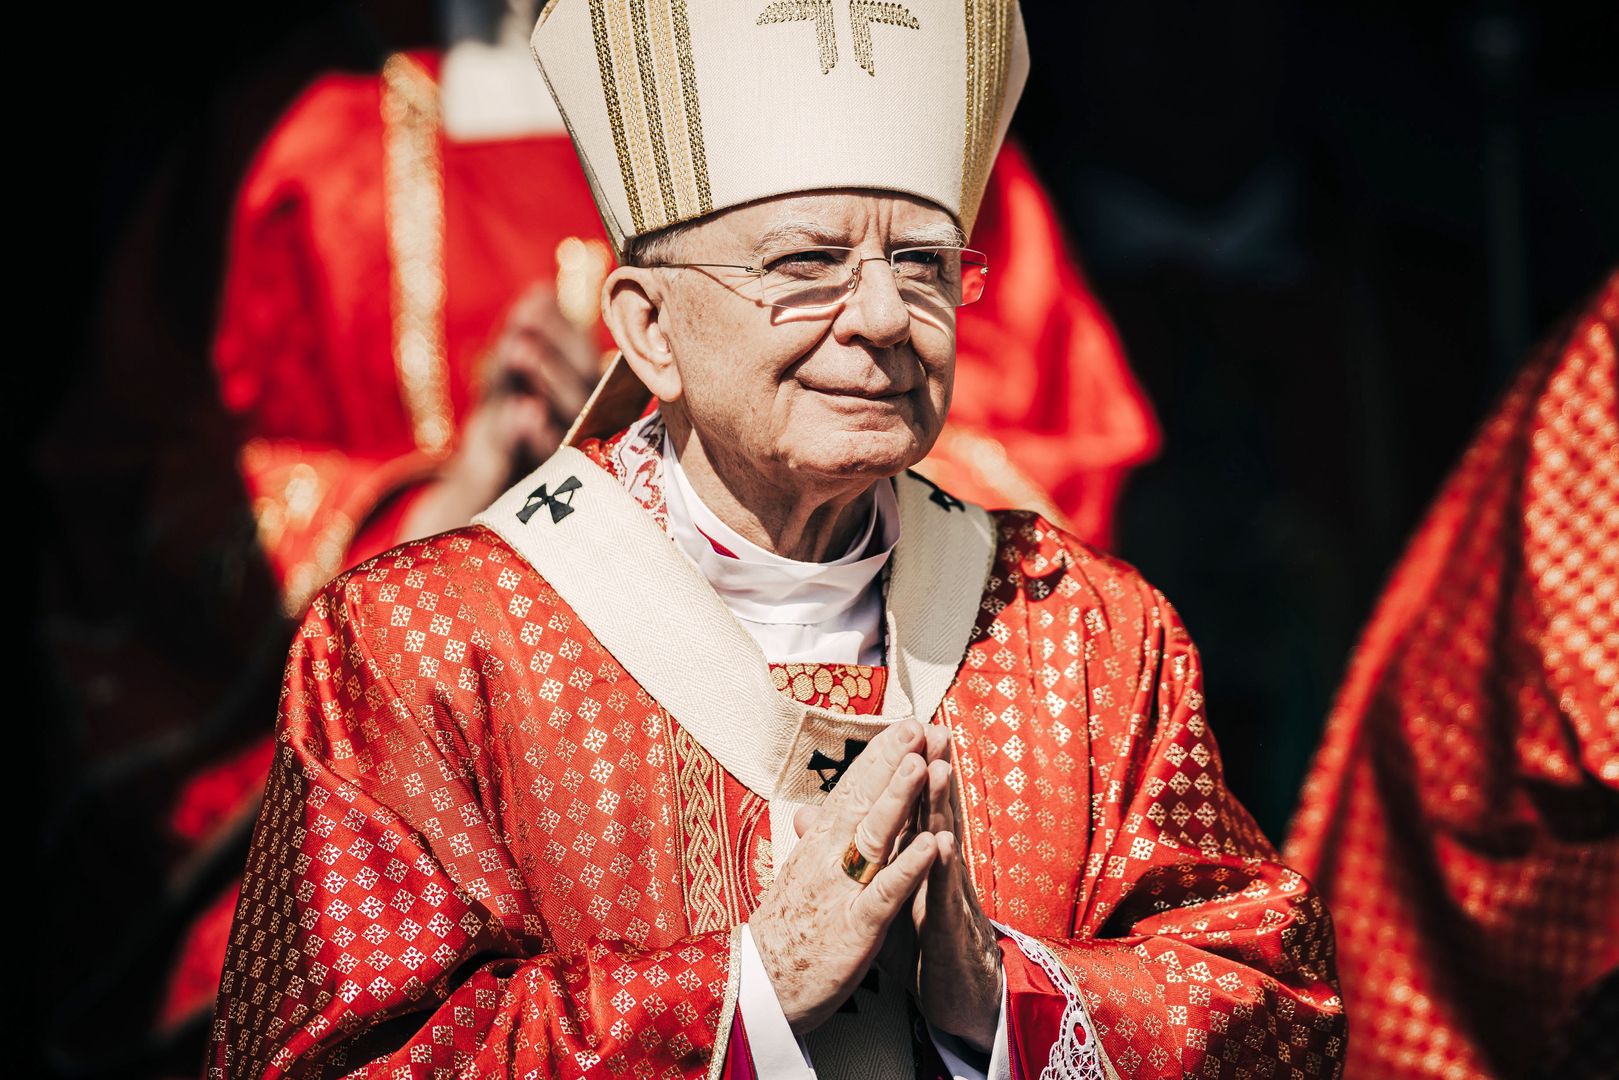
(874, 310)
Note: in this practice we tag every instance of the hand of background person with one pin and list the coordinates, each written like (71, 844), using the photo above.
(532, 385)
(817, 929)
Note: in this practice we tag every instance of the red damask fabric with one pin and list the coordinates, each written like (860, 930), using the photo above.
(485, 849)
(1462, 816)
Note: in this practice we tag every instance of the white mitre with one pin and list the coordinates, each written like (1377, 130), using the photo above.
(679, 108)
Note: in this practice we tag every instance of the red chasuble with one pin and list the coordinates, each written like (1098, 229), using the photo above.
(526, 772)
(1462, 816)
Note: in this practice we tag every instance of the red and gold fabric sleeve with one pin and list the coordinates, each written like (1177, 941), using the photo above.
(388, 927)
(1193, 950)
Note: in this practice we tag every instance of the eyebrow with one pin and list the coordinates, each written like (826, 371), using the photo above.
(793, 233)
(938, 234)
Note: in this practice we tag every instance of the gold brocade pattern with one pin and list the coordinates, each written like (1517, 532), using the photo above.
(1468, 776)
(843, 688)
(989, 56)
(414, 185)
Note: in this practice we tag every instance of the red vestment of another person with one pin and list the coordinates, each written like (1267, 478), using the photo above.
(1462, 817)
(487, 847)
(339, 433)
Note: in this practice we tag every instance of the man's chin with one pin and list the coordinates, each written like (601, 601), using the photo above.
(871, 454)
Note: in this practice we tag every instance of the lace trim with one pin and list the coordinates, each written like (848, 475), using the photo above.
(1077, 1053)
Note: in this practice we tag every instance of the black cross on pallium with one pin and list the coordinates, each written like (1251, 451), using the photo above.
(829, 768)
(561, 503)
(940, 496)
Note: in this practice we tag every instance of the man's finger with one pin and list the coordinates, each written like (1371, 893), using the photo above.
(881, 900)
(875, 833)
(938, 737)
(865, 780)
(941, 814)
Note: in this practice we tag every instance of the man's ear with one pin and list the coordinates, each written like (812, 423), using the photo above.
(632, 307)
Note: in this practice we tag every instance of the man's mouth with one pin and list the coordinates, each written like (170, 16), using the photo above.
(863, 394)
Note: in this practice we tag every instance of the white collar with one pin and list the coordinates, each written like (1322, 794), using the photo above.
(763, 587)
(649, 607)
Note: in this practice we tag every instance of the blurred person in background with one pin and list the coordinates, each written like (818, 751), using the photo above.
(410, 321)
(1462, 815)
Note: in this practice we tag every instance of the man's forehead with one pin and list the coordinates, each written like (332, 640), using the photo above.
(836, 217)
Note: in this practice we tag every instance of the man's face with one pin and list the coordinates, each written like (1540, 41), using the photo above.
(857, 391)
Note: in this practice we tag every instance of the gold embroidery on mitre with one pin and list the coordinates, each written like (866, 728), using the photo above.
(414, 198)
(649, 83)
(862, 13)
(817, 11)
(989, 61)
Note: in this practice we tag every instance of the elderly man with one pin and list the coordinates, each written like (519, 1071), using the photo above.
(722, 744)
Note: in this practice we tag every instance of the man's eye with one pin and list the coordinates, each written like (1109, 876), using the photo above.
(923, 257)
(805, 265)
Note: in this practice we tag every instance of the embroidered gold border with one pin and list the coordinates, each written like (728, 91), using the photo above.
(702, 832)
(694, 112)
(989, 26)
(615, 118)
(648, 75)
(733, 988)
(413, 180)
(649, 87)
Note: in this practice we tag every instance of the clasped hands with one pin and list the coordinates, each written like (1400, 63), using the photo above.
(818, 930)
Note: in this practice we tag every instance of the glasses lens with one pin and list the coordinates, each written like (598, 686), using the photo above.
(928, 278)
(807, 277)
(939, 276)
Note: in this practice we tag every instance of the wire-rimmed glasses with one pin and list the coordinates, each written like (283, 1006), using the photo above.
(824, 276)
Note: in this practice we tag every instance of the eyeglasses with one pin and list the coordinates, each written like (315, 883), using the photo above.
(823, 277)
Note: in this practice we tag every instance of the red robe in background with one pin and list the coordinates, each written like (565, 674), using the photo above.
(1462, 817)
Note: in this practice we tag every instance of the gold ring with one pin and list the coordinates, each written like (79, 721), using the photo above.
(857, 866)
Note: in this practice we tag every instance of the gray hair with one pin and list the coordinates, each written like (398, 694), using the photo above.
(664, 245)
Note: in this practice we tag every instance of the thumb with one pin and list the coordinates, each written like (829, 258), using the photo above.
(805, 818)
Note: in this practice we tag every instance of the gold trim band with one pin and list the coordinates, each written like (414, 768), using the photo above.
(413, 181)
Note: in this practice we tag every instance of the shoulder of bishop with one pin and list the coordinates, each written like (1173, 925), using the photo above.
(1056, 580)
(462, 599)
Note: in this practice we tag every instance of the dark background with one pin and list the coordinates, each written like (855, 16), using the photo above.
(1327, 237)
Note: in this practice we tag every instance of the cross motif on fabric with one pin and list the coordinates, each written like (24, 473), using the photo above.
(561, 503)
(829, 768)
(940, 496)
(862, 13)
